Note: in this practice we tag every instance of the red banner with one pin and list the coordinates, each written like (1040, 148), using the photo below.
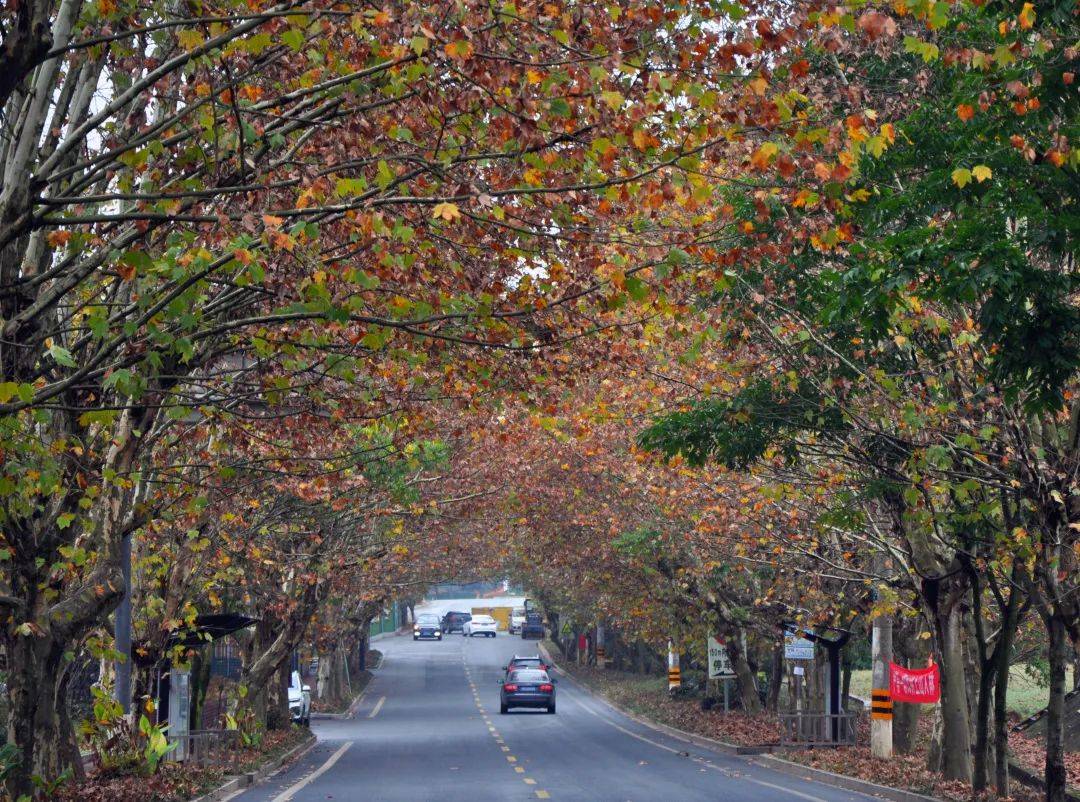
(918, 685)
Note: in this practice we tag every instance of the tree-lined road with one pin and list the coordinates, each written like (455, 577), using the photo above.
(429, 728)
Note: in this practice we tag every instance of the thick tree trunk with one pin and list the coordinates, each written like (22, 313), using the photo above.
(37, 717)
(277, 698)
(956, 725)
(1056, 779)
(744, 676)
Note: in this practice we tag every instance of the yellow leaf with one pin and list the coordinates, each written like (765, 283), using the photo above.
(189, 39)
(961, 176)
(981, 172)
(447, 211)
(1027, 16)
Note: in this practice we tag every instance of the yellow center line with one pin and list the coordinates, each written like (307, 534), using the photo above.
(529, 781)
(519, 769)
(511, 758)
(543, 795)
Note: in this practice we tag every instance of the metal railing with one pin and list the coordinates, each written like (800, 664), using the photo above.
(818, 729)
(218, 748)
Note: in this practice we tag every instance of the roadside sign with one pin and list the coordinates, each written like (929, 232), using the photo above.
(796, 648)
(719, 662)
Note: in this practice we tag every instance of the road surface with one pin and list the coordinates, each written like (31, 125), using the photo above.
(429, 728)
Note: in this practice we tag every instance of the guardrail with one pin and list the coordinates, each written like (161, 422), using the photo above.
(818, 729)
(218, 748)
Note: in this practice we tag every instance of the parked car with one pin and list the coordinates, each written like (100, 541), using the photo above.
(533, 661)
(527, 687)
(480, 625)
(517, 618)
(427, 626)
(299, 700)
(533, 627)
(454, 621)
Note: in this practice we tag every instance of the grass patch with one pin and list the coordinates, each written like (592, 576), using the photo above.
(1026, 695)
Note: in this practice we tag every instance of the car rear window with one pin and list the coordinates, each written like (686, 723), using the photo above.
(529, 675)
(483, 619)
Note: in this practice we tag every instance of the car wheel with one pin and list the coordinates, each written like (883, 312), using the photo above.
(504, 709)
(551, 708)
(414, 637)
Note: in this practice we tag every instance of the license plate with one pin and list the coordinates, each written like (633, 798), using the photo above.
(528, 687)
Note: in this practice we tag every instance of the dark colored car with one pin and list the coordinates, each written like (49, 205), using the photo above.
(519, 661)
(454, 621)
(427, 626)
(527, 687)
(533, 627)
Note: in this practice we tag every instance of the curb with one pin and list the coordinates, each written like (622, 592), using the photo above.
(250, 778)
(353, 707)
(355, 704)
(768, 761)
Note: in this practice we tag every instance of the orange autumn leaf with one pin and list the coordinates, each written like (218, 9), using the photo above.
(965, 112)
(459, 49)
(58, 239)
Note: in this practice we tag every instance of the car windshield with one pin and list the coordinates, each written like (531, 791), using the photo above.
(427, 618)
(529, 675)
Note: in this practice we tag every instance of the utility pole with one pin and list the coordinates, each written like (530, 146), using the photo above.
(881, 743)
(674, 676)
(122, 633)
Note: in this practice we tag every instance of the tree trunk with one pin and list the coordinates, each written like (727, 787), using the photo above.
(956, 732)
(277, 698)
(37, 718)
(984, 758)
(1001, 720)
(744, 677)
(1056, 779)
(776, 677)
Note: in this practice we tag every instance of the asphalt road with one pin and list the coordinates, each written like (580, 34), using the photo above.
(429, 728)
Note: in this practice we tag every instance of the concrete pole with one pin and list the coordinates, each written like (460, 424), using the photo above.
(601, 648)
(881, 743)
(673, 674)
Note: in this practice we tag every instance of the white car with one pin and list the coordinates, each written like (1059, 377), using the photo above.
(299, 700)
(517, 618)
(480, 625)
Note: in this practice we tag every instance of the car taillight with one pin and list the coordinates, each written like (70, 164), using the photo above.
(547, 688)
(509, 687)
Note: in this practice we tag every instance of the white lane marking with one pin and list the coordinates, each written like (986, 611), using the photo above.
(606, 720)
(782, 788)
(377, 708)
(289, 793)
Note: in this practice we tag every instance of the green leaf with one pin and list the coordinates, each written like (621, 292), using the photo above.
(62, 356)
(560, 107)
(100, 416)
(613, 99)
(293, 38)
